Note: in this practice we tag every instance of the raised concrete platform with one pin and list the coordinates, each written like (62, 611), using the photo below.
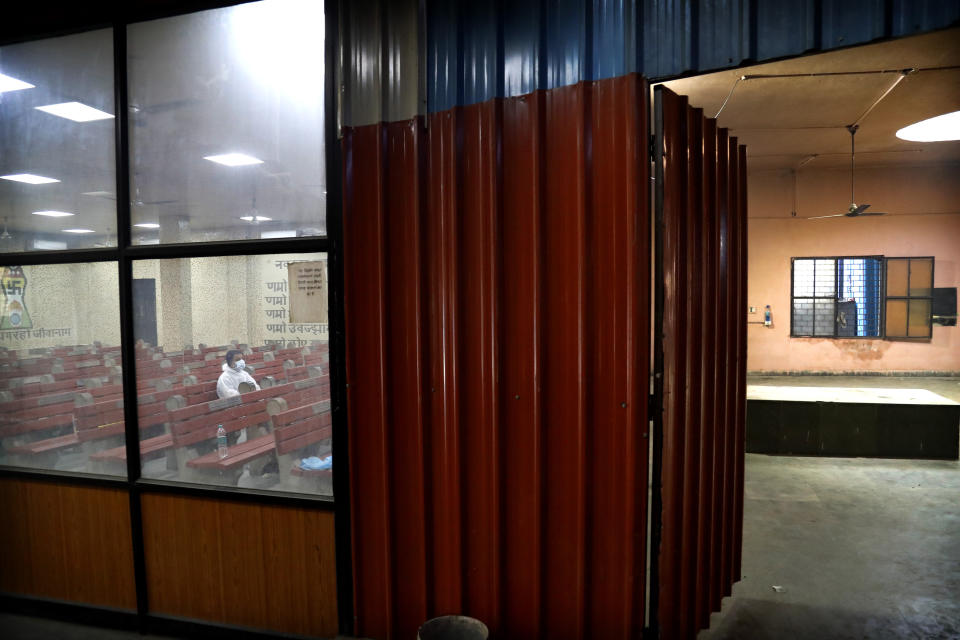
(885, 422)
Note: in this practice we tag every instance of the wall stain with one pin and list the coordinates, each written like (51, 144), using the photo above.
(862, 349)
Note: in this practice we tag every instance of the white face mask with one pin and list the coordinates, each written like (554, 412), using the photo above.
(239, 364)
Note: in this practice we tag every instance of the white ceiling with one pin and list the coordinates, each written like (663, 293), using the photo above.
(789, 122)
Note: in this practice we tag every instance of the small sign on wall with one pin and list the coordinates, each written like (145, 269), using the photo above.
(308, 291)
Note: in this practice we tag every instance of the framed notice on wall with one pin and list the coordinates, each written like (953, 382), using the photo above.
(308, 291)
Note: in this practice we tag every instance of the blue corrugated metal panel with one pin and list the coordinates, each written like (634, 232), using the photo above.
(362, 60)
(614, 39)
(522, 62)
(667, 29)
(443, 56)
(914, 16)
(401, 61)
(846, 22)
(566, 43)
(785, 28)
(479, 51)
(724, 28)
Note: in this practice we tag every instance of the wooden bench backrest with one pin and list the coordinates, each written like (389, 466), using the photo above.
(98, 420)
(192, 424)
(303, 426)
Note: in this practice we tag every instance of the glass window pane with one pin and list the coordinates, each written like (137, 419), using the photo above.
(919, 318)
(824, 313)
(803, 317)
(897, 270)
(896, 318)
(57, 165)
(271, 313)
(227, 124)
(825, 278)
(61, 390)
(921, 277)
(803, 278)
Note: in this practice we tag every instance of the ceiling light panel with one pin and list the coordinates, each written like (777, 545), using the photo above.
(942, 128)
(53, 214)
(29, 178)
(255, 218)
(147, 225)
(9, 83)
(76, 111)
(233, 159)
(78, 231)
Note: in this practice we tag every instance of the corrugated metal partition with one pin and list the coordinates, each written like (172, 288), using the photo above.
(497, 310)
(703, 240)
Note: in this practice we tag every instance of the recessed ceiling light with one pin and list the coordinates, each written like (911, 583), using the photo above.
(49, 244)
(52, 214)
(29, 178)
(255, 218)
(937, 129)
(76, 111)
(78, 230)
(233, 159)
(147, 225)
(8, 83)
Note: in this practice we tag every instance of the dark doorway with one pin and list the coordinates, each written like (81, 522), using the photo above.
(145, 310)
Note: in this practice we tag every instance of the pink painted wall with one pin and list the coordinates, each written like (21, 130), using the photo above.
(924, 219)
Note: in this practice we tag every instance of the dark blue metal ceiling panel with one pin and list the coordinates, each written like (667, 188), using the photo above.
(667, 28)
(846, 22)
(566, 42)
(785, 28)
(915, 16)
(724, 29)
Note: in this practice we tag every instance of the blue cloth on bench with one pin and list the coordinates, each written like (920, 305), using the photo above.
(313, 463)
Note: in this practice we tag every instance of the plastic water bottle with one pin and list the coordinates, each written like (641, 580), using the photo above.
(221, 441)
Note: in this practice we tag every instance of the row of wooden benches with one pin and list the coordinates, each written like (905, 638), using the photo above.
(284, 423)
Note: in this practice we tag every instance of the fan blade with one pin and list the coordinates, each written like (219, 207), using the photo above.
(873, 213)
(836, 215)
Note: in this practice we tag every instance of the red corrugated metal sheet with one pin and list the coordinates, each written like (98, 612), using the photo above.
(704, 350)
(497, 309)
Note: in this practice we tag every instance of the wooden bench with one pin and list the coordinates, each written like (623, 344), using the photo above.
(299, 433)
(92, 422)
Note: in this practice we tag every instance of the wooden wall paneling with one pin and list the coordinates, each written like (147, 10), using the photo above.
(67, 543)
(262, 567)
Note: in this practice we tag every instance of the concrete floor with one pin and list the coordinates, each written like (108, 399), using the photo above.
(862, 548)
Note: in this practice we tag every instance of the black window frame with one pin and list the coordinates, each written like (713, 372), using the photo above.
(835, 297)
(123, 255)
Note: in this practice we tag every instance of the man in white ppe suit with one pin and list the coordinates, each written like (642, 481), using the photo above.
(229, 382)
(233, 374)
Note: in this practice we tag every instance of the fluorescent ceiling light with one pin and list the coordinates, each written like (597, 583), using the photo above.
(233, 159)
(289, 233)
(76, 111)
(78, 230)
(49, 244)
(147, 225)
(99, 194)
(29, 178)
(255, 218)
(8, 83)
(149, 241)
(52, 214)
(938, 129)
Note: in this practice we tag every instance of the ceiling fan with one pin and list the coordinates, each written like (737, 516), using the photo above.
(855, 210)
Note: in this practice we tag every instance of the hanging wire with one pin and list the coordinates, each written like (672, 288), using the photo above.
(717, 115)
